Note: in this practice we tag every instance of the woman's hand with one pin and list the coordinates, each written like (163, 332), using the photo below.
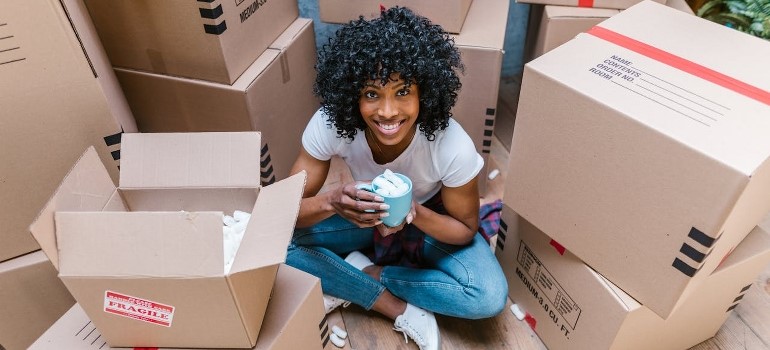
(361, 207)
(387, 230)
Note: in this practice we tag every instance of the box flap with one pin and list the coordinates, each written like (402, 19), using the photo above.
(87, 187)
(145, 244)
(287, 37)
(208, 159)
(271, 225)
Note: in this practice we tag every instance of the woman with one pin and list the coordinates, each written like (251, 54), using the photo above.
(387, 86)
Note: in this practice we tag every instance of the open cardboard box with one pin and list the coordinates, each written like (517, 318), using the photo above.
(145, 260)
(571, 306)
(295, 320)
(643, 154)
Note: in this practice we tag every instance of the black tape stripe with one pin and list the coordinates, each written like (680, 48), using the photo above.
(485, 151)
(269, 181)
(503, 224)
(211, 13)
(115, 155)
(265, 162)
(323, 321)
(326, 341)
(487, 143)
(215, 29)
(700, 237)
(113, 139)
(731, 308)
(489, 122)
(324, 331)
(501, 234)
(205, 0)
(692, 253)
(490, 111)
(746, 288)
(488, 132)
(500, 244)
(267, 173)
(684, 268)
(738, 298)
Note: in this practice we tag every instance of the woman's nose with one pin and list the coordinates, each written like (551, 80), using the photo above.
(388, 108)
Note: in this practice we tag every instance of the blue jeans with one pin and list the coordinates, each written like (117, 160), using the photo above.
(460, 281)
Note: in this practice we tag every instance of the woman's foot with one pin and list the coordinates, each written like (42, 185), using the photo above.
(420, 325)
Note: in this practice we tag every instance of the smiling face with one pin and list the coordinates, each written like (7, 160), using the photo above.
(390, 111)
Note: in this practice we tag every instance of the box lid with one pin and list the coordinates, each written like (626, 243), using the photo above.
(87, 187)
(174, 160)
(555, 11)
(701, 87)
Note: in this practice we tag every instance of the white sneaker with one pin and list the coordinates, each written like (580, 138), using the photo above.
(358, 260)
(420, 325)
(331, 303)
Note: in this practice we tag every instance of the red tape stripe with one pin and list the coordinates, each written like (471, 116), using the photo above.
(585, 3)
(559, 248)
(531, 321)
(682, 64)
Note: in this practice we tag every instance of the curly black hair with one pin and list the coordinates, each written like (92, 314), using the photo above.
(399, 41)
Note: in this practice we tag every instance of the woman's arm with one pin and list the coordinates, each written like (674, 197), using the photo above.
(341, 200)
(462, 219)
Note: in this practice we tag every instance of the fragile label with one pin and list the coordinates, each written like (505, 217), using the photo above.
(138, 308)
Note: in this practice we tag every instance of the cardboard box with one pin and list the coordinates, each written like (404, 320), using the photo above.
(59, 95)
(295, 319)
(145, 260)
(481, 48)
(210, 40)
(570, 306)
(644, 155)
(608, 4)
(555, 25)
(449, 14)
(32, 299)
(274, 95)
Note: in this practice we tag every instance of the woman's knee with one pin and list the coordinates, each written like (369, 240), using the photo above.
(488, 301)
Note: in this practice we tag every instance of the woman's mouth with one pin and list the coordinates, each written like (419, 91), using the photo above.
(389, 128)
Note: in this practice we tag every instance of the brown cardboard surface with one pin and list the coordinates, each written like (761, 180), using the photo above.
(449, 14)
(274, 95)
(651, 185)
(168, 264)
(59, 95)
(212, 41)
(573, 307)
(559, 24)
(32, 298)
(481, 48)
(609, 4)
(294, 319)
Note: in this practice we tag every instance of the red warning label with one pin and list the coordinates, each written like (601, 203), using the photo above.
(138, 308)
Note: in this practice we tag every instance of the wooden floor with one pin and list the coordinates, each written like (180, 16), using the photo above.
(748, 327)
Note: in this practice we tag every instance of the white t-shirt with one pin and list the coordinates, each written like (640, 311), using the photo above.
(450, 160)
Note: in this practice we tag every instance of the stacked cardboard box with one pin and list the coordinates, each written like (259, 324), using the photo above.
(449, 14)
(294, 319)
(643, 156)
(59, 95)
(481, 47)
(607, 4)
(571, 306)
(219, 66)
(551, 25)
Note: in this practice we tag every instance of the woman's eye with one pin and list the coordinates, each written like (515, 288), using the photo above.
(370, 94)
(402, 92)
